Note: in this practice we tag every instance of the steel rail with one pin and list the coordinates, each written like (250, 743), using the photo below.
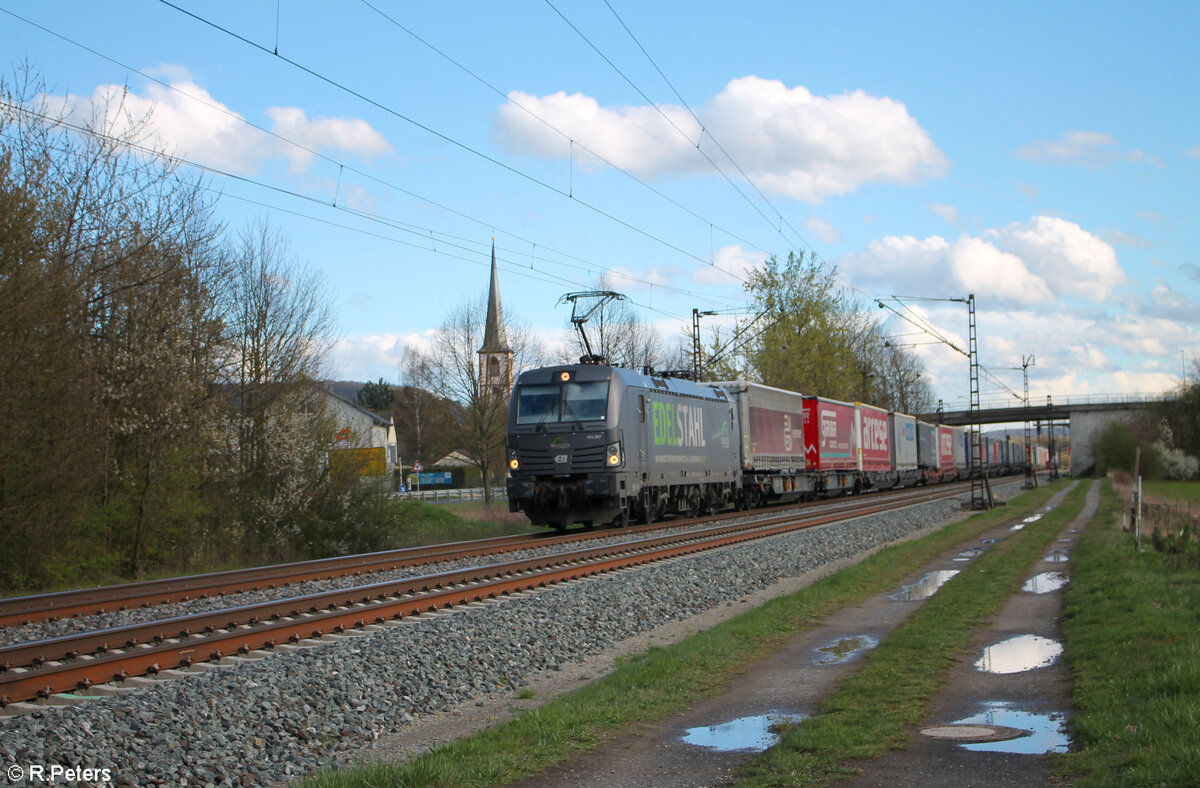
(291, 620)
(15, 611)
(104, 599)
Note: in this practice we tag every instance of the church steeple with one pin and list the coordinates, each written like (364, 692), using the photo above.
(495, 357)
(494, 338)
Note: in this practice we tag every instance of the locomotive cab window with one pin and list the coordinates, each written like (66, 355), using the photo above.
(568, 402)
(537, 404)
(585, 401)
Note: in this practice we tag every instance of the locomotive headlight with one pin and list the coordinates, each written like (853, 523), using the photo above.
(513, 462)
(614, 454)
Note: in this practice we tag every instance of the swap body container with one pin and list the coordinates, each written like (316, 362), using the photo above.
(772, 425)
(927, 446)
(904, 442)
(873, 434)
(945, 449)
(829, 435)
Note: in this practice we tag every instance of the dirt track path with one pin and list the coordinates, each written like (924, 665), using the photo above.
(793, 680)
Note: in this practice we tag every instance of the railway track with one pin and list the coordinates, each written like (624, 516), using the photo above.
(77, 662)
(16, 611)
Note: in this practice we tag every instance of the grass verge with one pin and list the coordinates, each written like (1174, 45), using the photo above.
(663, 681)
(1183, 492)
(875, 709)
(1132, 627)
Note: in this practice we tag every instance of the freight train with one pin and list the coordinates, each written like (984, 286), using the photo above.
(592, 443)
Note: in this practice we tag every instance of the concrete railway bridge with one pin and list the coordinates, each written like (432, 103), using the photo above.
(1086, 416)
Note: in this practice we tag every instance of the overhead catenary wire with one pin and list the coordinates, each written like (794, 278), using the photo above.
(342, 167)
(572, 142)
(705, 130)
(447, 240)
(430, 130)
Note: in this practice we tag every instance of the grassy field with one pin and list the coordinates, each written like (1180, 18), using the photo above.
(1182, 492)
(663, 681)
(1132, 630)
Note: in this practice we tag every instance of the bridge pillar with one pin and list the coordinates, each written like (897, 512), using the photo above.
(1086, 427)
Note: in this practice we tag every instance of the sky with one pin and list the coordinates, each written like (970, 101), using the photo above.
(1044, 157)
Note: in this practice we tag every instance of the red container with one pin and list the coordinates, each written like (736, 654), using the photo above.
(829, 443)
(874, 438)
(945, 447)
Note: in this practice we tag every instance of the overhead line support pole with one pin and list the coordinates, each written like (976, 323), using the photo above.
(981, 488)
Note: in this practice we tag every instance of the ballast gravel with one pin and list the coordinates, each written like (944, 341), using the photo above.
(294, 713)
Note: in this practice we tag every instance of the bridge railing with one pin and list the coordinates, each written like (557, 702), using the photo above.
(1074, 399)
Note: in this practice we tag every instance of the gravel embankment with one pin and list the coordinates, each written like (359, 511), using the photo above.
(295, 712)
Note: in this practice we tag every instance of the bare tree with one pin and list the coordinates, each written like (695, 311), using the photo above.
(280, 334)
(617, 333)
(425, 422)
(452, 369)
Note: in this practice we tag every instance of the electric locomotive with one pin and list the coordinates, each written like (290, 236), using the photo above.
(593, 443)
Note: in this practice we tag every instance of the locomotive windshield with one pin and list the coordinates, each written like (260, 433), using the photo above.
(569, 402)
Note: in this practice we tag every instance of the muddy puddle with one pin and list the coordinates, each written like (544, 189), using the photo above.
(1033, 518)
(925, 587)
(1019, 654)
(1045, 732)
(1045, 583)
(745, 734)
(845, 649)
(967, 555)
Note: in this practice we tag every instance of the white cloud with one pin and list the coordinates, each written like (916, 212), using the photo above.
(947, 212)
(787, 140)
(1088, 149)
(731, 265)
(981, 268)
(1194, 153)
(374, 356)
(1119, 237)
(894, 260)
(185, 120)
(1166, 302)
(1072, 261)
(352, 135)
(1023, 263)
(822, 230)
(625, 279)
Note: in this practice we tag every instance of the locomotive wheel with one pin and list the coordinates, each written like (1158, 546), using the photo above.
(693, 502)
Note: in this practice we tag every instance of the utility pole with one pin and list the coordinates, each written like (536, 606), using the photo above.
(1050, 439)
(1030, 473)
(697, 355)
(981, 488)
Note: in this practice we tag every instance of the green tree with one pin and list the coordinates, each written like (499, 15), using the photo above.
(804, 342)
(377, 397)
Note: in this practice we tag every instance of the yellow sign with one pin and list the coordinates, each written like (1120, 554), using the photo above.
(358, 462)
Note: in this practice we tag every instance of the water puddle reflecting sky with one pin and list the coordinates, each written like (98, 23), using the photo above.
(1019, 654)
(1045, 583)
(1046, 731)
(745, 734)
(1057, 556)
(845, 649)
(967, 555)
(925, 587)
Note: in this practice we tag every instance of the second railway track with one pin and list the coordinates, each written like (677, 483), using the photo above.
(76, 662)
